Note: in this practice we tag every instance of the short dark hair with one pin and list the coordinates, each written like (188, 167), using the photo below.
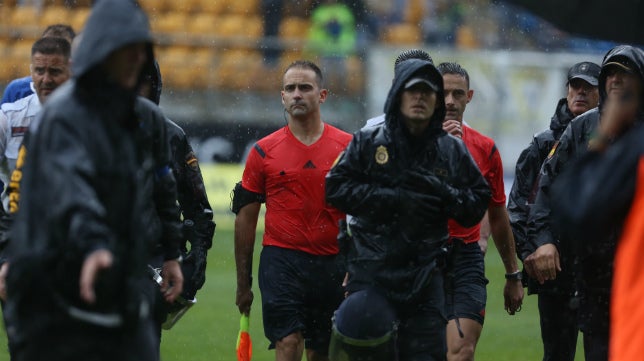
(59, 31)
(413, 54)
(307, 64)
(52, 45)
(454, 68)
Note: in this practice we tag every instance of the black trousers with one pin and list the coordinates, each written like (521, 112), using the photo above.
(559, 327)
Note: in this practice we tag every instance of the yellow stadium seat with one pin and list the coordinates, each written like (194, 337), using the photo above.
(5, 12)
(414, 11)
(55, 14)
(12, 69)
(16, 59)
(235, 25)
(20, 50)
(184, 6)
(171, 22)
(289, 56)
(24, 15)
(466, 38)
(403, 33)
(294, 27)
(238, 69)
(243, 7)
(154, 6)
(184, 67)
(213, 6)
(202, 55)
(355, 75)
(202, 24)
(78, 17)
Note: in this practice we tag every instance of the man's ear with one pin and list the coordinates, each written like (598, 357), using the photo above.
(323, 95)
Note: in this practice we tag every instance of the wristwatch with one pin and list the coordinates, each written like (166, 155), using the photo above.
(515, 276)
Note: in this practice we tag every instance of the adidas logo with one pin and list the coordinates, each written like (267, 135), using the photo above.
(310, 165)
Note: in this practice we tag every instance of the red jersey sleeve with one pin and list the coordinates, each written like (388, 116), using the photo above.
(253, 178)
(494, 177)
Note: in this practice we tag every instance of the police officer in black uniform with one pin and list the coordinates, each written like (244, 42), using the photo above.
(401, 181)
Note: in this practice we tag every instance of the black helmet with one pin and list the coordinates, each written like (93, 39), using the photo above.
(364, 329)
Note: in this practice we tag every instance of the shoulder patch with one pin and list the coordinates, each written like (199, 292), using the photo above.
(259, 150)
(553, 150)
(191, 161)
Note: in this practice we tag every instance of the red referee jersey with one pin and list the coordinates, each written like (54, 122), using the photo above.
(291, 175)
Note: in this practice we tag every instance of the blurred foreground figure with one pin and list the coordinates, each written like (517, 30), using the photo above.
(97, 195)
(602, 196)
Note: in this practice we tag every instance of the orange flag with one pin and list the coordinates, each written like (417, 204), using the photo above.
(244, 344)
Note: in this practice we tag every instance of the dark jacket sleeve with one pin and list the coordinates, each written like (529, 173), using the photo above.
(522, 196)
(594, 195)
(540, 230)
(165, 187)
(199, 226)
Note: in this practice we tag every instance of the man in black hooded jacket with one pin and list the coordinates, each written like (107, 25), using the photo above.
(198, 223)
(594, 260)
(98, 196)
(558, 319)
(401, 181)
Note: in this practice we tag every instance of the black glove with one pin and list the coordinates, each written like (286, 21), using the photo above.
(198, 257)
(416, 206)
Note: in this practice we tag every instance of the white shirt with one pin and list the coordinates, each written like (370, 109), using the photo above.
(15, 119)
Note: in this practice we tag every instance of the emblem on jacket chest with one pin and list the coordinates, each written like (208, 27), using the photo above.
(382, 156)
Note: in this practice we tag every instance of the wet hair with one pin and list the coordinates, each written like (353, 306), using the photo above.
(52, 45)
(307, 64)
(59, 31)
(413, 54)
(454, 68)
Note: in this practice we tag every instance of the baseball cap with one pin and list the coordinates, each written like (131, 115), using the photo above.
(586, 71)
(622, 62)
(417, 80)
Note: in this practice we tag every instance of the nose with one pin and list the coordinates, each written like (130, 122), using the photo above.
(47, 78)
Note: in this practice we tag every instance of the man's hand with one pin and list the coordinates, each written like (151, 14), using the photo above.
(244, 299)
(94, 263)
(199, 257)
(4, 269)
(453, 127)
(513, 296)
(543, 264)
(172, 284)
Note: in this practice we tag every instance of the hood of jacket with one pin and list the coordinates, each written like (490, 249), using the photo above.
(153, 73)
(403, 72)
(634, 55)
(562, 116)
(111, 25)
